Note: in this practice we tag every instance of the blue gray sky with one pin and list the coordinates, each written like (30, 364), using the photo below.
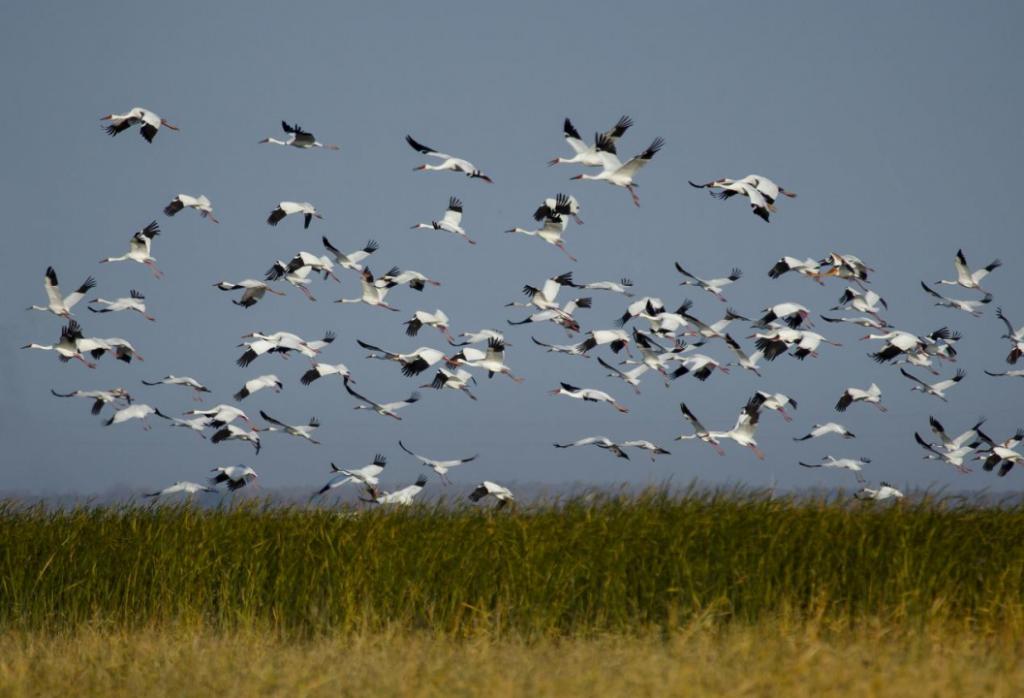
(897, 124)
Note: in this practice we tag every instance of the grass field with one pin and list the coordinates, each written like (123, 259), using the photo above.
(720, 593)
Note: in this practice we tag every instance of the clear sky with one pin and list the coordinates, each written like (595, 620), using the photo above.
(898, 124)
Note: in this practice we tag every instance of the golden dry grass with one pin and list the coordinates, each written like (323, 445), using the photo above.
(768, 659)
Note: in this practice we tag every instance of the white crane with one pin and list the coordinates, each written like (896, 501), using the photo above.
(199, 203)
(372, 295)
(253, 291)
(898, 342)
(862, 302)
(954, 457)
(804, 267)
(560, 316)
(622, 286)
(617, 340)
(186, 381)
(544, 298)
(451, 222)
(761, 191)
(873, 323)
(615, 172)
(61, 305)
(846, 266)
(139, 249)
(66, 347)
(367, 475)
(287, 208)
(297, 277)
(551, 233)
(631, 377)
(699, 431)
(459, 379)
(743, 360)
(1016, 373)
(937, 389)
(196, 424)
(322, 370)
(602, 442)
(230, 432)
(965, 277)
(421, 318)
(883, 492)
(234, 477)
(971, 307)
(819, 430)
(441, 467)
(302, 431)
(189, 488)
(777, 402)
(136, 410)
(589, 395)
(586, 154)
(483, 335)
(712, 286)
(559, 205)
(151, 122)
(1016, 337)
(121, 348)
(746, 426)
(503, 495)
(964, 439)
(871, 396)
(258, 383)
(653, 450)
(492, 361)
(402, 497)
(135, 301)
(299, 138)
(384, 409)
(413, 363)
(353, 260)
(852, 464)
(396, 277)
(221, 414)
(278, 342)
(99, 397)
(448, 164)
(793, 314)
(700, 366)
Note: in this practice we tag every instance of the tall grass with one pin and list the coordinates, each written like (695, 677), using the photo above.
(614, 564)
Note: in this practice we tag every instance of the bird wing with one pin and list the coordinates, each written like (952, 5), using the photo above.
(635, 163)
(270, 419)
(419, 147)
(915, 379)
(930, 291)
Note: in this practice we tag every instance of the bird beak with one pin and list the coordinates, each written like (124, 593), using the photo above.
(169, 125)
(108, 116)
(419, 167)
(265, 140)
(579, 176)
(552, 162)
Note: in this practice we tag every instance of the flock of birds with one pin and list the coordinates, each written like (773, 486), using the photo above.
(670, 343)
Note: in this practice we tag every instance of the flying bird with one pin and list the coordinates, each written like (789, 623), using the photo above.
(352, 260)
(459, 379)
(199, 203)
(441, 467)
(100, 398)
(135, 302)
(259, 383)
(287, 208)
(321, 370)
(413, 363)
(302, 431)
(883, 492)
(588, 395)
(151, 122)
(965, 277)
(234, 477)
(503, 495)
(614, 171)
(871, 396)
(136, 410)
(66, 347)
(253, 291)
(299, 138)
(451, 222)
(139, 249)
(937, 389)
(367, 475)
(820, 430)
(851, 464)
(230, 432)
(712, 286)
(385, 409)
(587, 154)
(972, 307)
(449, 163)
(402, 497)
(56, 303)
(372, 295)
(189, 488)
(197, 388)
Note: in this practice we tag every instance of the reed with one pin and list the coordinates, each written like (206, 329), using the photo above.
(578, 567)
